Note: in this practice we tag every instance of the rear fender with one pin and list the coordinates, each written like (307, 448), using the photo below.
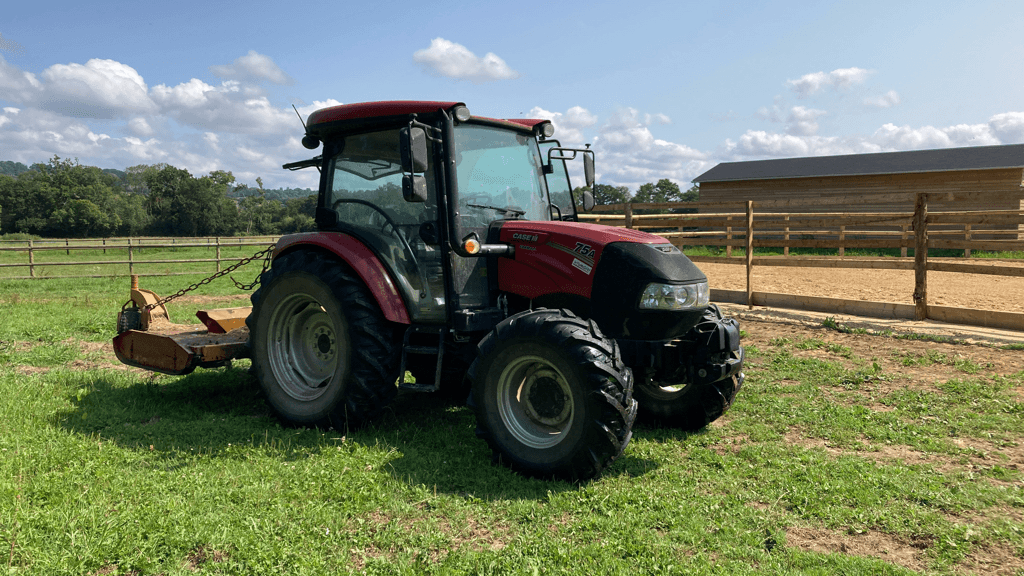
(361, 259)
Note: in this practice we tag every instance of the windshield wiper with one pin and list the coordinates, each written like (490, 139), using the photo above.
(507, 210)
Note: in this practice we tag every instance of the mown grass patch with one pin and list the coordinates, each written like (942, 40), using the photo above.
(832, 460)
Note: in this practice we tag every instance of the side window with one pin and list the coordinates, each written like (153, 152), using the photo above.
(558, 182)
(366, 183)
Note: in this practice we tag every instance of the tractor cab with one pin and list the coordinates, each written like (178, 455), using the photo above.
(424, 191)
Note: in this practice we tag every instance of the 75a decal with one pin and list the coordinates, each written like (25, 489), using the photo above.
(584, 250)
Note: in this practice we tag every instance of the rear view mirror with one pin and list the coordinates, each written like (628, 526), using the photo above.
(588, 200)
(414, 188)
(413, 144)
(588, 170)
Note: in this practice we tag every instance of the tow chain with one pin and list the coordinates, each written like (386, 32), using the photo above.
(266, 254)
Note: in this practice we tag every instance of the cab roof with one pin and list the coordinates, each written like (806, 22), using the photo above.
(348, 116)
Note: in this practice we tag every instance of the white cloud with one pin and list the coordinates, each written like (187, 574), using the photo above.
(252, 67)
(803, 121)
(568, 126)
(223, 108)
(629, 153)
(140, 127)
(887, 100)
(656, 119)
(451, 60)
(8, 45)
(839, 79)
(97, 89)
(1008, 127)
(16, 85)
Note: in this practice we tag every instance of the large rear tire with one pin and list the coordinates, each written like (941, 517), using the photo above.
(321, 349)
(551, 395)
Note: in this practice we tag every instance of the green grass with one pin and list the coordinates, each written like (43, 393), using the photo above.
(111, 471)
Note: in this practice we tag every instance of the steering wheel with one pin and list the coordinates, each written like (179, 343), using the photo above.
(388, 221)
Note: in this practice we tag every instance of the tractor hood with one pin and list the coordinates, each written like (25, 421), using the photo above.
(608, 267)
(594, 234)
(559, 257)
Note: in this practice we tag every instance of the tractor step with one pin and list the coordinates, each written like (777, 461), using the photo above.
(438, 351)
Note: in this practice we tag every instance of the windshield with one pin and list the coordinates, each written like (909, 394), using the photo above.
(499, 175)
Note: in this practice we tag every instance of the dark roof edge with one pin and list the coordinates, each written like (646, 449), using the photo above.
(697, 180)
(996, 157)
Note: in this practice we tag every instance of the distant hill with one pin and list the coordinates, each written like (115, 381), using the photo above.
(280, 194)
(12, 168)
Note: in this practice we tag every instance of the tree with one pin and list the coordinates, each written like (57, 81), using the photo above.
(258, 214)
(604, 194)
(664, 190)
(182, 205)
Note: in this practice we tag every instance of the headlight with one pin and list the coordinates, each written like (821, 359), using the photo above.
(669, 297)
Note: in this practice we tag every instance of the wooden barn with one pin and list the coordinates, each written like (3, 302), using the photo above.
(993, 175)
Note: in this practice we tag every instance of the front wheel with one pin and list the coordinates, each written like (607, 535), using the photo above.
(552, 396)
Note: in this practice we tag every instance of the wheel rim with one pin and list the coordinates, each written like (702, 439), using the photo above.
(535, 402)
(666, 392)
(305, 347)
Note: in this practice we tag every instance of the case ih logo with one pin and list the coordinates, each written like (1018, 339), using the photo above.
(584, 250)
(524, 237)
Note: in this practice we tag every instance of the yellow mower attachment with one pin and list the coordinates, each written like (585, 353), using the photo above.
(147, 339)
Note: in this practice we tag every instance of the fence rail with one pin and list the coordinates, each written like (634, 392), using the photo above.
(739, 225)
(729, 225)
(132, 247)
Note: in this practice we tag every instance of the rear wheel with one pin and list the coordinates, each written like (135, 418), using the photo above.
(551, 395)
(321, 349)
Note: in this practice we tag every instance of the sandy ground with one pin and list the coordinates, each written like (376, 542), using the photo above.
(983, 292)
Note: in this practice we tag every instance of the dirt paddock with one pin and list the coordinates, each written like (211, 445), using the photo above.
(982, 292)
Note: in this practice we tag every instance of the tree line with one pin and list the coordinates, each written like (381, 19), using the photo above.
(663, 190)
(65, 199)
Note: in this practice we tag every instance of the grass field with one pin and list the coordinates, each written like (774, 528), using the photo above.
(845, 453)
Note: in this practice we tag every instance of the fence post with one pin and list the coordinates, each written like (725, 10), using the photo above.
(921, 257)
(31, 261)
(131, 266)
(967, 237)
(629, 214)
(218, 254)
(750, 254)
(104, 245)
(785, 249)
(842, 238)
(67, 243)
(728, 237)
(903, 244)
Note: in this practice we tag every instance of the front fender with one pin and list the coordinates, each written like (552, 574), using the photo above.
(361, 259)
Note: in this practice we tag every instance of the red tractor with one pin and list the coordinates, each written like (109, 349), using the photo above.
(448, 246)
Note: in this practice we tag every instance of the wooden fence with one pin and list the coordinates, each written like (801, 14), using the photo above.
(748, 225)
(133, 248)
(753, 225)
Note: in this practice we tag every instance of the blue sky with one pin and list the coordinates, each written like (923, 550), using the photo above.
(661, 89)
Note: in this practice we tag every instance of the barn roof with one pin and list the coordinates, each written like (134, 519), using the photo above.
(942, 160)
